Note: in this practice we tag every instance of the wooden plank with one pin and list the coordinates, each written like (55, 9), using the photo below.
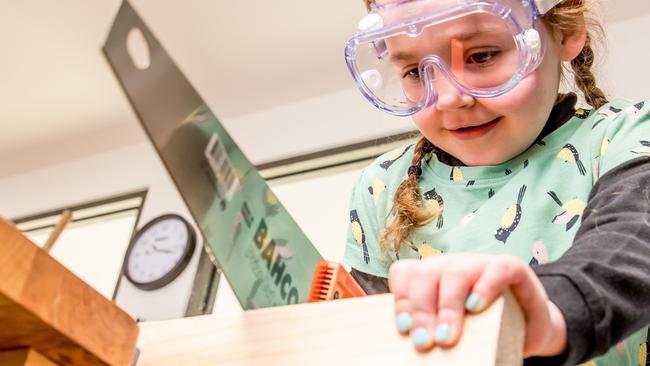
(46, 307)
(24, 357)
(358, 331)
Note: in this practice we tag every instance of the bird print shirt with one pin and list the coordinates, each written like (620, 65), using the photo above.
(531, 206)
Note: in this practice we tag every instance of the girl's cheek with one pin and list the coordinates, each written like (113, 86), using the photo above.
(426, 124)
(425, 120)
(521, 95)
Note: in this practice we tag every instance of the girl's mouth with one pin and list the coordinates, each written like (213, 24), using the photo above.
(469, 133)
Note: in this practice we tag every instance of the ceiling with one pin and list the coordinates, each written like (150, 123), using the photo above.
(60, 101)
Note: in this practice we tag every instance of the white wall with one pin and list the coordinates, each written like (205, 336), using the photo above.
(311, 125)
(625, 72)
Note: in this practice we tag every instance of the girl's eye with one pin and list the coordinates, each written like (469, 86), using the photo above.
(413, 73)
(482, 57)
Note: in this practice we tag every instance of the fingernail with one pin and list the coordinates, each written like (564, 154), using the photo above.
(404, 321)
(443, 332)
(472, 301)
(420, 337)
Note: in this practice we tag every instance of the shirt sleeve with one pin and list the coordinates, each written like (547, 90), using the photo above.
(601, 284)
(362, 250)
(371, 285)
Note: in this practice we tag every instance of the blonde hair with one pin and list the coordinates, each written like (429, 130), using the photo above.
(407, 212)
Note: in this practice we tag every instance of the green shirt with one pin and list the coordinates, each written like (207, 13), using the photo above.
(530, 206)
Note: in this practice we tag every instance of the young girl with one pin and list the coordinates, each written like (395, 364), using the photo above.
(509, 186)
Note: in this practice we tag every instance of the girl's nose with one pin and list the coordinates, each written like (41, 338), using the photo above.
(450, 97)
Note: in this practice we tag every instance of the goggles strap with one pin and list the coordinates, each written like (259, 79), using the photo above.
(543, 6)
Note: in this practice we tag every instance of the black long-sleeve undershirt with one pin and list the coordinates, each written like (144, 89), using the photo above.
(602, 283)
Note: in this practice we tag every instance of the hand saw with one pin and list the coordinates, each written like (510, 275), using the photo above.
(265, 256)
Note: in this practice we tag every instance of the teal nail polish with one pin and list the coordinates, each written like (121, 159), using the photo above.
(472, 301)
(443, 332)
(404, 321)
(420, 337)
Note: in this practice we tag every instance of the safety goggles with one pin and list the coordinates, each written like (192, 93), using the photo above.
(404, 49)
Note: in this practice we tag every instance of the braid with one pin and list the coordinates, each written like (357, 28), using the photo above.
(407, 203)
(585, 79)
(570, 16)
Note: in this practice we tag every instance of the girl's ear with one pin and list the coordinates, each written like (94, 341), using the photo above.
(572, 43)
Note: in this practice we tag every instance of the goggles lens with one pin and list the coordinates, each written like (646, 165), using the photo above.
(477, 52)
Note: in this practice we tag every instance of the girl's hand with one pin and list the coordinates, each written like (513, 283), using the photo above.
(433, 294)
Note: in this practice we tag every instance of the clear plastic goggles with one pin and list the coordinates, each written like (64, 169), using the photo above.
(404, 49)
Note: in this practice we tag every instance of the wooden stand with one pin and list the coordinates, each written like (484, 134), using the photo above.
(47, 314)
(359, 331)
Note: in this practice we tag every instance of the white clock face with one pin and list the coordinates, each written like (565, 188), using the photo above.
(158, 250)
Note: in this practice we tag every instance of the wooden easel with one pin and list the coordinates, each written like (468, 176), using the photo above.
(48, 316)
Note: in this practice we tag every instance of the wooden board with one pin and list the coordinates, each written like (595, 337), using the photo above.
(46, 307)
(358, 331)
(24, 357)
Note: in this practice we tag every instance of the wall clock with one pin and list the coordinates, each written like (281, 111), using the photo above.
(160, 251)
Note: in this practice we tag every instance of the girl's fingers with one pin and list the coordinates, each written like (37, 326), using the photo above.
(497, 276)
(414, 284)
(534, 302)
(398, 282)
(504, 272)
(455, 283)
(423, 295)
(508, 272)
(432, 296)
(398, 279)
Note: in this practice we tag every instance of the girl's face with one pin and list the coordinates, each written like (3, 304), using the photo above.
(483, 131)
(490, 131)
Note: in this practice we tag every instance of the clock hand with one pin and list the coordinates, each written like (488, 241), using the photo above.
(161, 250)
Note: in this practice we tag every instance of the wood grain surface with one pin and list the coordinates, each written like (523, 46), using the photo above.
(24, 357)
(358, 331)
(45, 307)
